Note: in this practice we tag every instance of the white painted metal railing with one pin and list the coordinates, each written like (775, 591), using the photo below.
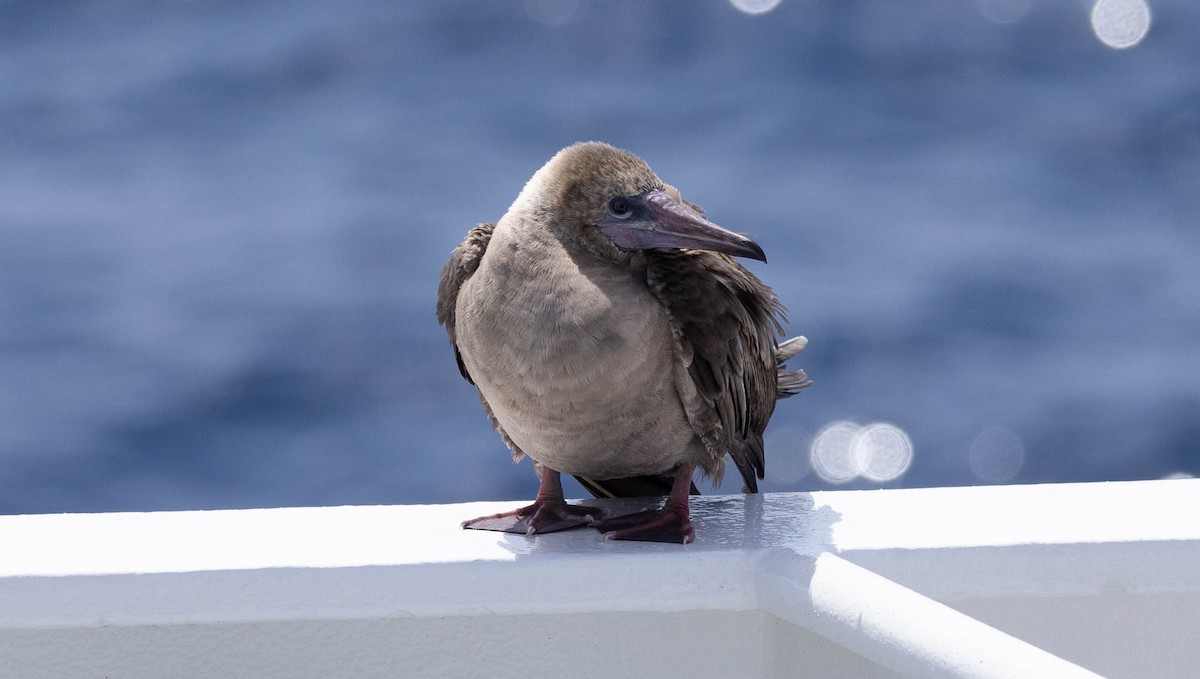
(893, 625)
(955, 582)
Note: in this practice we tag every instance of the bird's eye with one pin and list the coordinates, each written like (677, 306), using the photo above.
(620, 208)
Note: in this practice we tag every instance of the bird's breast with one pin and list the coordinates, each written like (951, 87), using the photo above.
(576, 359)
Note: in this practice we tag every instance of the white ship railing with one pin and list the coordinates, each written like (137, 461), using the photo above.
(1016, 581)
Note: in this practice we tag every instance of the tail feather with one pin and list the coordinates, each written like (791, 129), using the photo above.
(788, 349)
(788, 383)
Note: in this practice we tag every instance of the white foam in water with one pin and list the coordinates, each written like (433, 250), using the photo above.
(1120, 23)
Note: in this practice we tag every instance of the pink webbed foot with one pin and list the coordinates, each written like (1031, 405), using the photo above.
(548, 513)
(669, 524)
(543, 516)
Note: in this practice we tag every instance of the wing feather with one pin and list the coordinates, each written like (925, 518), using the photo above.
(463, 263)
(728, 322)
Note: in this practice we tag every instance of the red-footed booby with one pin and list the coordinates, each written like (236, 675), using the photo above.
(612, 336)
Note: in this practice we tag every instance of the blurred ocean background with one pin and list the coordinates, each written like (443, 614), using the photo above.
(222, 223)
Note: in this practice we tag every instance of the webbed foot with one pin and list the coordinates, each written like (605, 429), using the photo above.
(548, 513)
(669, 524)
(543, 516)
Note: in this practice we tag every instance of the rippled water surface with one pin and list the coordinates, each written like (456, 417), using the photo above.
(221, 226)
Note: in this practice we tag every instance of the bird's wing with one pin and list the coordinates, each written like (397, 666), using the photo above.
(463, 262)
(726, 324)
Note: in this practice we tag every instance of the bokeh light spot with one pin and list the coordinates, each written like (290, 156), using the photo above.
(832, 453)
(1120, 23)
(996, 455)
(755, 6)
(1004, 11)
(882, 452)
(843, 450)
(554, 12)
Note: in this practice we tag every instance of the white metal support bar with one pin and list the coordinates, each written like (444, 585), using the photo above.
(893, 625)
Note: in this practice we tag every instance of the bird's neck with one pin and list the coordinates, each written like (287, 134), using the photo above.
(531, 280)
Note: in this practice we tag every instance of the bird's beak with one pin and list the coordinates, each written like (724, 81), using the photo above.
(660, 221)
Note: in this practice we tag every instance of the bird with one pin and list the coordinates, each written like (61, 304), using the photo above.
(612, 336)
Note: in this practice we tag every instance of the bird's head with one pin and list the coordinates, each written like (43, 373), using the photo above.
(610, 201)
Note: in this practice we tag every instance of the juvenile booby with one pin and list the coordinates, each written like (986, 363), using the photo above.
(612, 336)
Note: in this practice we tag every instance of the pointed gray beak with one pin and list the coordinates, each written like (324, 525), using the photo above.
(655, 220)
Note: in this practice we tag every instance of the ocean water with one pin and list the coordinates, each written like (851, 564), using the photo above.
(221, 227)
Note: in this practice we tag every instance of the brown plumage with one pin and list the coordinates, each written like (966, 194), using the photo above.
(613, 337)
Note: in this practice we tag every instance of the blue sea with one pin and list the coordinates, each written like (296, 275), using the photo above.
(222, 224)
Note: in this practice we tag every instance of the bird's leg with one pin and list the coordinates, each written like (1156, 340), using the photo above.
(548, 513)
(669, 524)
